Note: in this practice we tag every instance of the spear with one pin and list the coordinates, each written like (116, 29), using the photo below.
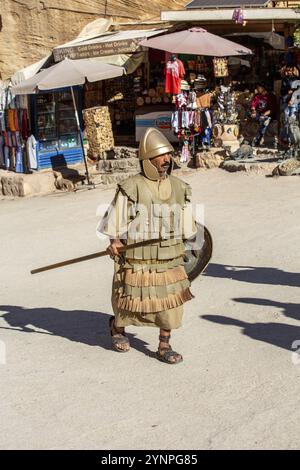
(98, 254)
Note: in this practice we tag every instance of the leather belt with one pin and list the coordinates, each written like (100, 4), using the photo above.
(151, 261)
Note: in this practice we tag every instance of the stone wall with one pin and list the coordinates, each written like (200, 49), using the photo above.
(19, 185)
(32, 28)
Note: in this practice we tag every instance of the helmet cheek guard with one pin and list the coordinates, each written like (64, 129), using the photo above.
(152, 145)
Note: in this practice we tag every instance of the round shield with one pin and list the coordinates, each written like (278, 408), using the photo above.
(197, 259)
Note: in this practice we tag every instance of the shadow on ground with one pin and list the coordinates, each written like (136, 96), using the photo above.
(81, 326)
(256, 275)
(277, 334)
(289, 309)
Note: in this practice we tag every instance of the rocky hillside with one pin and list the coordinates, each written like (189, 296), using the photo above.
(31, 28)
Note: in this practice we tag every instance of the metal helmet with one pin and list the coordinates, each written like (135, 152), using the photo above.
(153, 144)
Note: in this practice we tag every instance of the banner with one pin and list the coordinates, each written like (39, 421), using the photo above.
(99, 49)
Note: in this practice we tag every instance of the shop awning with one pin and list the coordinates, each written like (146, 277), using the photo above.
(130, 62)
(275, 40)
(107, 44)
(226, 3)
(282, 15)
(29, 71)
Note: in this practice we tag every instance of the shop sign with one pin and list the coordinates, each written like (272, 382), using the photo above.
(87, 51)
(163, 122)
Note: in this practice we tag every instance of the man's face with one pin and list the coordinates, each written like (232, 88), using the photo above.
(261, 89)
(162, 163)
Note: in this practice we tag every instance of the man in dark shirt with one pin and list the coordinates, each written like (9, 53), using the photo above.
(289, 75)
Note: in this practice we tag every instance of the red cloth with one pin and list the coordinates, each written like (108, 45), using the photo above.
(25, 125)
(5, 136)
(174, 72)
(263, 103)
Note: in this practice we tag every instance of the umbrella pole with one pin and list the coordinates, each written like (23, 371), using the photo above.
(80, 135)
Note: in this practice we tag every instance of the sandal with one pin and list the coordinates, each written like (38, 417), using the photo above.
(118, 338)
(167, 354)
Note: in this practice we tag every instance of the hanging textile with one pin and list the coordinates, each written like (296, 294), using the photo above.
(185, 153)
(6, 157)
(9, 138)
(11, 120)
(19, 160)
(2, 121)
(25, 124)
(204, 100)
(31, 147)
(174, 73)
(5, 137)
(18, 139)
(238, 16)
(16, 120)
(2, 159)
(12, 158)
(14, 129)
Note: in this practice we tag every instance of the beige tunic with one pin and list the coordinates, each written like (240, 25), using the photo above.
(150, 284)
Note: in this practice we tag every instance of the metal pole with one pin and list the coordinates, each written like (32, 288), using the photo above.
(80, 135)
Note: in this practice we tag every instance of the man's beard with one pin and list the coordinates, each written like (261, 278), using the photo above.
(164, 168)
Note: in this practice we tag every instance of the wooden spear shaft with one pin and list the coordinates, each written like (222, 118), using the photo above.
(98, 254)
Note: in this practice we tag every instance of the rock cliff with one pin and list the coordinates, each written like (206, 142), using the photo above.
(31, 28)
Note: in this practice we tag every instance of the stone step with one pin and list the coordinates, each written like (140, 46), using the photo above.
(118, 165)
(111, 179)
(249, 166)
(120, 152)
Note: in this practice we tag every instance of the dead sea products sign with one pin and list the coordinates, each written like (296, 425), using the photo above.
(87, 51)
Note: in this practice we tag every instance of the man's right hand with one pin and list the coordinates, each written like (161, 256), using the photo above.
(113, 248)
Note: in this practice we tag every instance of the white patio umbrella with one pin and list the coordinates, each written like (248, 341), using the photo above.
(69, 73)
(196, 41)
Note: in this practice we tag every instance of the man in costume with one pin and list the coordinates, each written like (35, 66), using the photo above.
(150, 284)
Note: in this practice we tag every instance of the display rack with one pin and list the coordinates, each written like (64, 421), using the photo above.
(57, 133)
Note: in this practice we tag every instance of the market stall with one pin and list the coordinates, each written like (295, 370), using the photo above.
(134, 100)
(196, 71)
(57, 118)
(37, 131)
(14, 132)
(196, 90)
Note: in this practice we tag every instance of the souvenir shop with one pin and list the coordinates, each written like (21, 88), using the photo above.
(134, 99)
(196, 101)
(184, 96)
(186, 99)
(174, 94)
(38, 131)
(206, 101)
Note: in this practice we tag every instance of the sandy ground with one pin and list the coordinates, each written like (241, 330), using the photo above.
(63, 388)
